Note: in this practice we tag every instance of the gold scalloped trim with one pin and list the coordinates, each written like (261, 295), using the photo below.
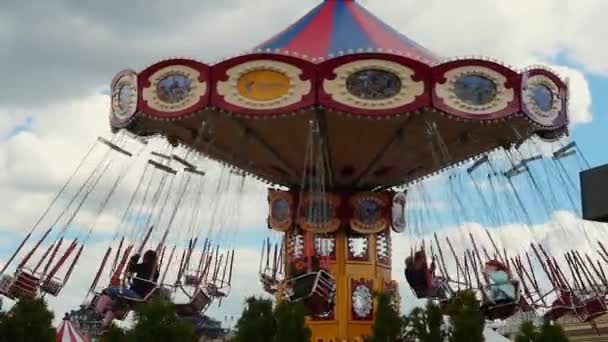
(122, 113)
(543, 118)
(503, 97)
(198, 89)
(410, 89)
(297, 88)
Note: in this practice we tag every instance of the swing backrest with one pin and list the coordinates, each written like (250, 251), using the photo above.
(52, 286)
(197, 304)
(26, 284)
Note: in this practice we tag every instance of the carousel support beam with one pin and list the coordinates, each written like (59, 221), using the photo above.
(182, 161)
(532, 159)
(251, 133)
(161, 155)
(162, 167)
(397, 135)
(478, 163)
(114, 147)
(195, 171)
(564, 155)
(565, 150)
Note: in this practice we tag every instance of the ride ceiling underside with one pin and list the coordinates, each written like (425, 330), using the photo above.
(389, 111)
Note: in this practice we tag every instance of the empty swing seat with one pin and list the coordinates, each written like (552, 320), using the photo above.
(25, 285)
(197, 304)
(215, 291)
(591, 309)
(561, 306)
(316, 290)
(6, 284)
(191, 280)
(52, 286)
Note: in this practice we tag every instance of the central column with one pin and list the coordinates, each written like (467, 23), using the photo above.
(353, 244)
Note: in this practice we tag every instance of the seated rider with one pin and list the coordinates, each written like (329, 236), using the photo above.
(418, 275)
(502, 288)
(144, 282)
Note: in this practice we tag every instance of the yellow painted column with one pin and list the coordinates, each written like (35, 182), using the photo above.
(345, 326)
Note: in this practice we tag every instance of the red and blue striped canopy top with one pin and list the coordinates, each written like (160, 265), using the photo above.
(337, 27)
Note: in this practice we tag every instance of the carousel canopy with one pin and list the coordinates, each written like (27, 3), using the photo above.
(386, 111)
(336, 27)
(67, 333)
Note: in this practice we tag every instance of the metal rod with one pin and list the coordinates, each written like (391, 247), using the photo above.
(115, 147)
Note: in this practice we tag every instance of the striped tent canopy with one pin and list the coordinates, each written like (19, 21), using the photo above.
(67, 333)
(338, 27)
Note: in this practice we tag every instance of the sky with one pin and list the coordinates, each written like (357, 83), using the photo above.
(60, 55)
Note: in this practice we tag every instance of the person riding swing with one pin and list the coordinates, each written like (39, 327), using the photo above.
(143, 283)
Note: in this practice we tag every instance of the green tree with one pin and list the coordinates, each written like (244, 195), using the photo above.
(387, 324)
(114, 334)
(466, 319)
(424, 325)
(527, 333)
(157, 321)
(28, 320)
(257, 322)
(290, 322)
(551, 333)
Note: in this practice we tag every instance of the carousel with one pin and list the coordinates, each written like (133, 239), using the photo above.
(345, 120)
(337, 113)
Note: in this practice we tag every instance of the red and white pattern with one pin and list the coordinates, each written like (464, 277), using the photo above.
(67, 333)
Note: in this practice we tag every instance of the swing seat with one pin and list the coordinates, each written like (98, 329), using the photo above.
(561, 307)
(591, 309)
(199, 302)
(215, 291)
(316, 290)
(26, 285)
(52, 286)
(502, 308)
(270, 284)
(191, 280)
(6, 284)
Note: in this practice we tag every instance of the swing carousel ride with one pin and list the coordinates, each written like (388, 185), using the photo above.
(355, 129)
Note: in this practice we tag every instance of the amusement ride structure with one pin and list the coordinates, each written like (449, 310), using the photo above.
(345, 119)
